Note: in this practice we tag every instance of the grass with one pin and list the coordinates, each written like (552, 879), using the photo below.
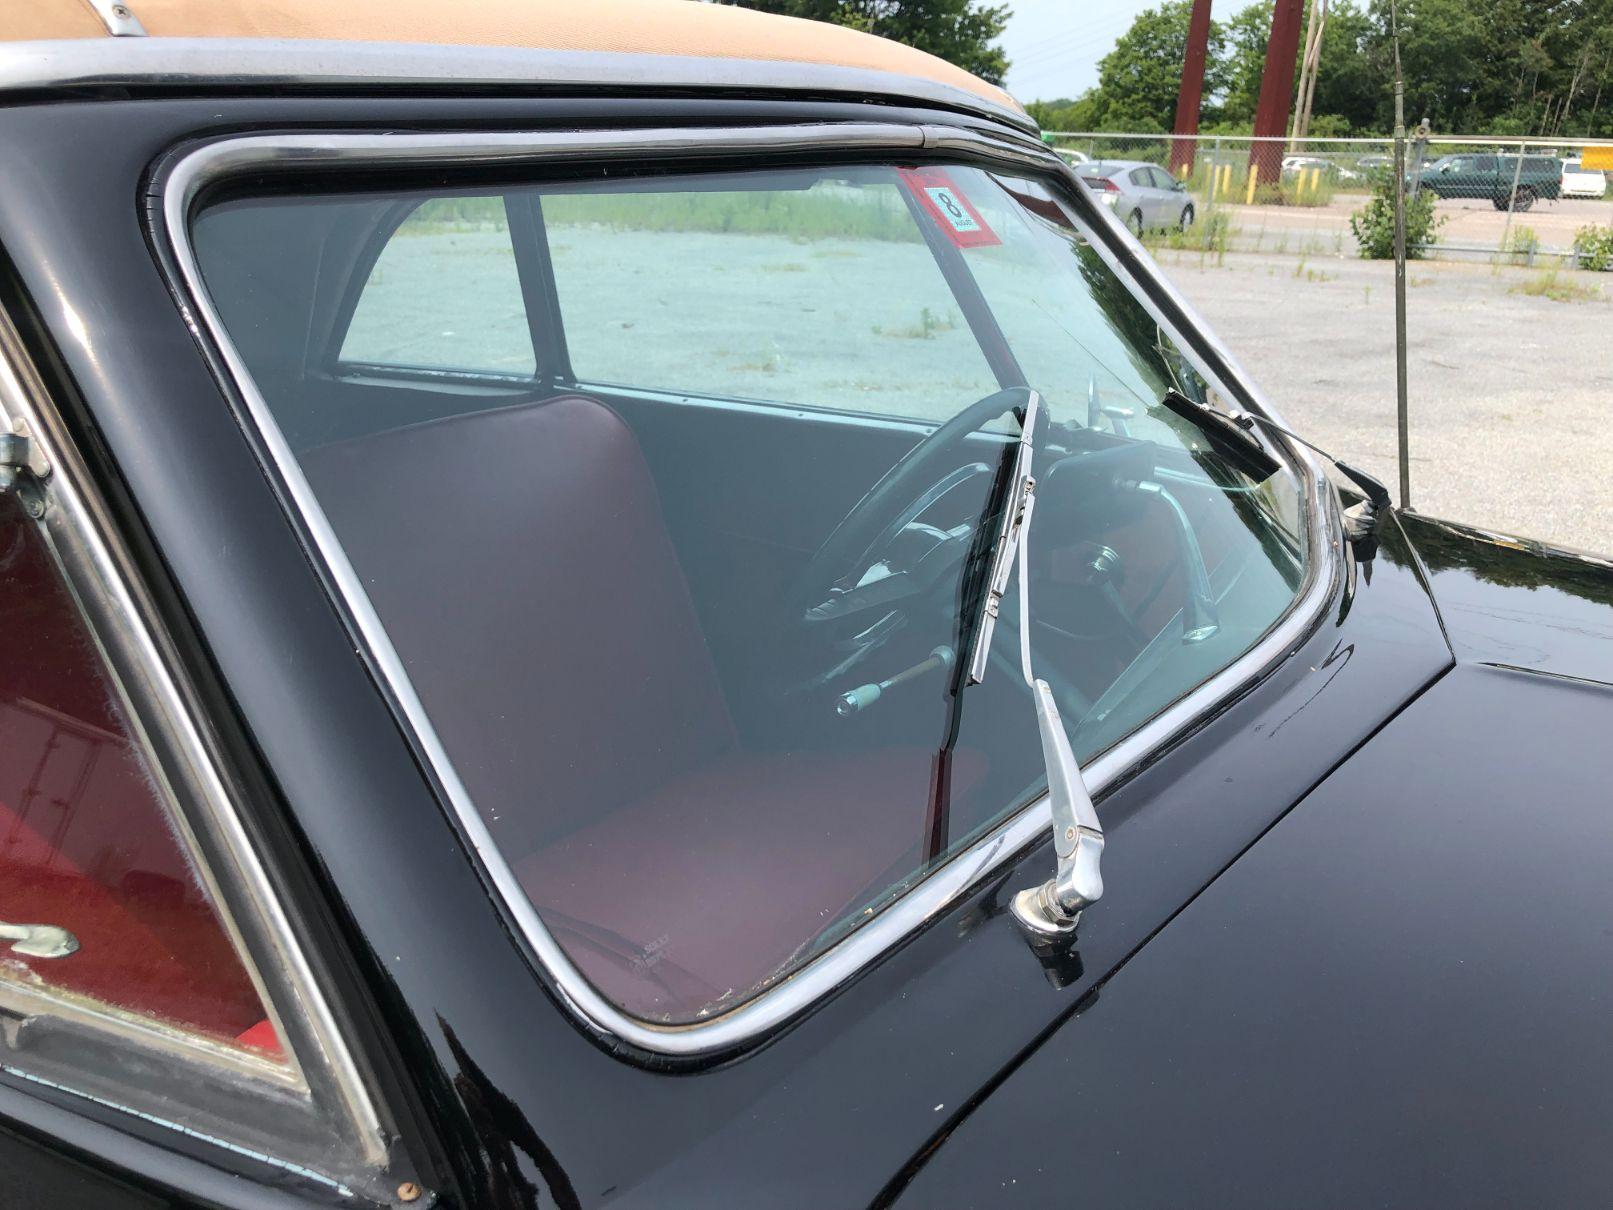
(928, 325)
(807, 215)
(866, 213)
(1550, 285)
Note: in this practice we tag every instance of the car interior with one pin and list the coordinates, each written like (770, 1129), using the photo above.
(614, 604)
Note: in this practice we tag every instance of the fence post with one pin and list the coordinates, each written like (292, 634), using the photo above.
(1512, 201)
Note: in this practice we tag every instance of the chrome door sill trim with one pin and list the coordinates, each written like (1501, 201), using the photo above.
(182, 181)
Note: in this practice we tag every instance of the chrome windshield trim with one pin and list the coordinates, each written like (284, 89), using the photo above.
(202, 63)
(180, 186)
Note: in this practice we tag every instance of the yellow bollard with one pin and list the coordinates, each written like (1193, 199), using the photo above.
(1249, 194)
(1226, 178)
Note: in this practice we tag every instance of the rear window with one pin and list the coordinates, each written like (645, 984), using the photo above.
(445, 294)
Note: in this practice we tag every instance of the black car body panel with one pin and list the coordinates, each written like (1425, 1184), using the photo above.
(1516, 602)
(1394, 997)
(962, 1062)
(1397, 998)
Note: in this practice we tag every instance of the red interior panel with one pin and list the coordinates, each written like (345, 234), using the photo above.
(85, 843)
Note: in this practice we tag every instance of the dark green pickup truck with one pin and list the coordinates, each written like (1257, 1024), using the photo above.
(1493, 177)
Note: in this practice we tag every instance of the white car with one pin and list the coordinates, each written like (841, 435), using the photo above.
(1293, 165)
(1579, 181)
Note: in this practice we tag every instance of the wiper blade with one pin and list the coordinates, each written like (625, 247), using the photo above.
(1010, 535)
(1226, 437)
(1229, 434)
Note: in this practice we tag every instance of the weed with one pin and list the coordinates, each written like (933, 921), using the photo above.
(928, 325)
(1521, 246)
(1593, 246)
(771, 364)
(1374, 225)
(1548, 285)
(1209, 235)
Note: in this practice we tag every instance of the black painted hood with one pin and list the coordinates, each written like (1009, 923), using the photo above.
(1402, 994)
(1516, 602)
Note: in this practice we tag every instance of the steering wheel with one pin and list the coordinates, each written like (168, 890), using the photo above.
(831, 587)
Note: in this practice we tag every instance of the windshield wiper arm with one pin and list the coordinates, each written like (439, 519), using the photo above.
(1054, 908)
(1229, 433)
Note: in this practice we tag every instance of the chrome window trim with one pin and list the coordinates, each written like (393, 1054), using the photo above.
(201, 63)
(322, 1067)
(180, 186)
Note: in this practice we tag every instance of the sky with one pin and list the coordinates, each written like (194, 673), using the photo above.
(1054, 45)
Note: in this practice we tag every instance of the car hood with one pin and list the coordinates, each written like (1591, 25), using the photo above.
(1399, 995)
(1516, 602)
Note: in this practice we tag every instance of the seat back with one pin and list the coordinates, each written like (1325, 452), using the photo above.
(520, 564)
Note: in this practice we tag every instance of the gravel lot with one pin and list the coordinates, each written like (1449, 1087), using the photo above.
(1511, 395)
(1469, 222)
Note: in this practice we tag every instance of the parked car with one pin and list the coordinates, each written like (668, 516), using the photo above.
(1294, 165)
(1373, 165)
(1144, 196)
(533, 677)
(1579, 181)
(1499, 178)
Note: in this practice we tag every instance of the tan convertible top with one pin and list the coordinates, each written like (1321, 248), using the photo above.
(658, 27)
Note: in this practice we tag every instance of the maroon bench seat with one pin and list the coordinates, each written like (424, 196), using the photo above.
(519, 561)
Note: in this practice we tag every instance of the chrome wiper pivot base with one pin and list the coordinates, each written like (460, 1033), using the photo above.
(1054, 908)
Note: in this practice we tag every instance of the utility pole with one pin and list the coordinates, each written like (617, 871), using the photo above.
(1276, 91)
(1402, 414)
(1309, 64)
(1191, 95)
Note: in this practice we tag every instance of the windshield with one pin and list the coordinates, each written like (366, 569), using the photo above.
(671, 493)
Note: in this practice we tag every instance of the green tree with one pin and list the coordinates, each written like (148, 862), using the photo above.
(1247, 32)
(1348, 84)
(963, 32)
(1523, 67)
(1139, 79)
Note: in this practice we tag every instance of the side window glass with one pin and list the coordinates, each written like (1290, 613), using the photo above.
(104, 912)
(445, 295)
(133, 970)
(1143, 177)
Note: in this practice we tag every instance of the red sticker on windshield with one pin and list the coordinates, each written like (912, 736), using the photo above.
(958, 220)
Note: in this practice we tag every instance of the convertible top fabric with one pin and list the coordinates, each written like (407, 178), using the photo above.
(652, 27)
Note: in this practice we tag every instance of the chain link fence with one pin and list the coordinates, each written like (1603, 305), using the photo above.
(1525, 201)
(1284, 247)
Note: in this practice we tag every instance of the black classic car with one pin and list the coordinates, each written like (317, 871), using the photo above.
(649, 605)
